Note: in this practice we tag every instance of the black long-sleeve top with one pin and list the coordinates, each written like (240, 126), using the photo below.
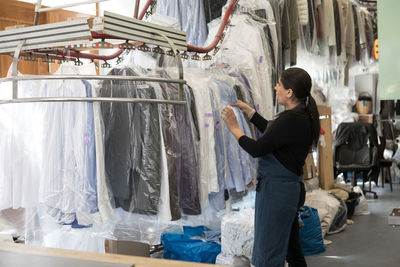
(289, 138)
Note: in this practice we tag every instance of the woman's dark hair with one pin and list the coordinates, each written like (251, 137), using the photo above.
(300, 82)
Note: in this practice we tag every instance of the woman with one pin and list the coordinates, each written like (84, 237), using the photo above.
(282, 150)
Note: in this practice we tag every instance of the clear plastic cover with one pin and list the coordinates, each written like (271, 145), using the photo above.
(68, 185)
(132, 145)
(21, 151)
(254, 61)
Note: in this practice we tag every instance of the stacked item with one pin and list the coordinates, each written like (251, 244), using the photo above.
(195, 244)
(237, 237)
(310, 234)
(326, 205)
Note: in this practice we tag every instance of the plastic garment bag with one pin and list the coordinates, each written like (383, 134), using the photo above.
(308, 28)
(198, 80)
(253, 61)
(187, 127)
(21, 139)
(239, 162)
(69, 185)
(263, 11)
(190, 13)
(132, 145)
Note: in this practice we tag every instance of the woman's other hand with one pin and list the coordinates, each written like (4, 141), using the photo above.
(246, 109)
(229, 117)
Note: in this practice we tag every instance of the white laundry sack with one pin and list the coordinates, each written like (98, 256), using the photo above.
(231, 260)
(237, 233)
(362, 207)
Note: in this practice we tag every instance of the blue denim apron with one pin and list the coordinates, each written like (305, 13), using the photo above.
(278, 192)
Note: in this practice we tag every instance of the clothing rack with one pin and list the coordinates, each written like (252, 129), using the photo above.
(53, 37)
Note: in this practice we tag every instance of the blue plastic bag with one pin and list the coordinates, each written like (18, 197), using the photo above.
(187, 247)
(311, 234)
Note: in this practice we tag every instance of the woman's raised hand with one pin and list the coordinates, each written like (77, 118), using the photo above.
(246, 109)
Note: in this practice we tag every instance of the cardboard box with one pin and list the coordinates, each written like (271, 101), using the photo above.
(127, 248)
(369, 118)
(394, 217)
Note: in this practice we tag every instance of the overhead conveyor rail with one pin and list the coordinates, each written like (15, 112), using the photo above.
(57, 36)
(44, 36)
(141, 31)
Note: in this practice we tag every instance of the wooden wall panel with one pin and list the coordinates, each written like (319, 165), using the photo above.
(325, 165)
(14, 12)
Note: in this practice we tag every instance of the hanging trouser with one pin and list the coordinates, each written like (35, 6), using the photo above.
(146, 155)
(188, 174)
(188, 185)
(277, 197)
(171, 139)
(117, 119)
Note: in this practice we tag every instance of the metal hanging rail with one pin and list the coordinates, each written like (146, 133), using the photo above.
(38, 37)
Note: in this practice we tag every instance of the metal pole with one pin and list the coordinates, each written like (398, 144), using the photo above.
(91, 99)
(137, 4)
(70, 5)
(180, 67)
(15, 68)
(37, 12)
(90, 77)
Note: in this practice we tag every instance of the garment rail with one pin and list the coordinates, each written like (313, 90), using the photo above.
(52, 35)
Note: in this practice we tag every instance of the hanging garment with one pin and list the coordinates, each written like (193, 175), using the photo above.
(308, 31)
(357, 33)
(303, 12)
(319, 19)
(21, 138)
(191, 15)
(173, 157)
(349, 27)
(329, 23)
(253, 61)
(341, 19)
(294, 30)
(132, 145)
(188, 131)
(239, 172)
(69, 182)
(207, 160)
(338, 32)
(275, 5)
(213, 9)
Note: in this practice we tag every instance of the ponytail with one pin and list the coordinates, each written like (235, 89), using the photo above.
(300, 82)
(312, 110)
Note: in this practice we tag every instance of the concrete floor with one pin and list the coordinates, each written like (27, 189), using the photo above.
(370, 241)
